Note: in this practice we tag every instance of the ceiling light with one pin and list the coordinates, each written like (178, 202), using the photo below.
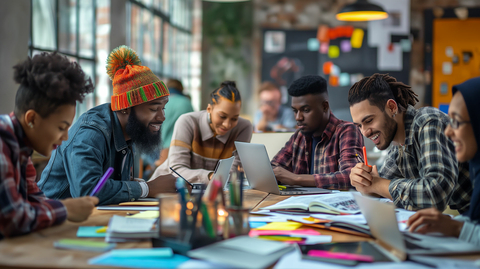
(361, 10)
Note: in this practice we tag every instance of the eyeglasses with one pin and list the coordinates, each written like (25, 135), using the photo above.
(454, 123)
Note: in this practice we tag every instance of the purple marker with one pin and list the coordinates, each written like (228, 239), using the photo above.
(102, 181)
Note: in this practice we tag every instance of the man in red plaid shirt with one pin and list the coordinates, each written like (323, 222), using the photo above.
(324, 149)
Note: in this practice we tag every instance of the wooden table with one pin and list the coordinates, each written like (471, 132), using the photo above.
(36, 250)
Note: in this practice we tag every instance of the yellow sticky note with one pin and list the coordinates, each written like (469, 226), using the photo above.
(357, 38)
(281, 226)
(145, 215)
(280, 238)
(139, 203)
(333, 51)
(102, 230)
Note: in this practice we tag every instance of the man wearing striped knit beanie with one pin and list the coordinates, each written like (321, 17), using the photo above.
(109, 135)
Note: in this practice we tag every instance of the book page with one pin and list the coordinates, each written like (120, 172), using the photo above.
(342, 202)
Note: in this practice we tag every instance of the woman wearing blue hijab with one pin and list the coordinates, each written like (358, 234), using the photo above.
(464, 130)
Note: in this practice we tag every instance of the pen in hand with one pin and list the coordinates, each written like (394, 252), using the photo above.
(102, 181)
(365, 156)
(191, 185)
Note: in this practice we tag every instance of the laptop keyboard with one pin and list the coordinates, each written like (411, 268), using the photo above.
(410, 245)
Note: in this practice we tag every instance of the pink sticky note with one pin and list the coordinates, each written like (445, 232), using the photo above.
(324, 48)
(340, 255)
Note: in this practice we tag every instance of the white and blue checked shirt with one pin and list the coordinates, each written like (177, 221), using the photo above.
(424, 172)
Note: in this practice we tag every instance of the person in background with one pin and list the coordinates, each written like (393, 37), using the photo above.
(50, 86)
(464, 131)
(109, 135)
(178, 104)
(272, 116)
(420, 170)
(202, 138)
(324, 149)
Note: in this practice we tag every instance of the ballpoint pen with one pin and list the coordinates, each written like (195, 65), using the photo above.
(191, 185)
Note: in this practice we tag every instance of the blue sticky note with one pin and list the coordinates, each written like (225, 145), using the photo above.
(89, 231)
(139, 262)
(142, 252)
(313, 44)
(256, 224)
(344, 80)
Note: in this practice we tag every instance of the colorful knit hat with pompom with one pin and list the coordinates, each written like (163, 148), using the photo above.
(133, 84)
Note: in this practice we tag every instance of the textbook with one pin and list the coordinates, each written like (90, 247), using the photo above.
(334, 203)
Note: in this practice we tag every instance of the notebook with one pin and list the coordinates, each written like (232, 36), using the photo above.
(384, 227)
(260, 174)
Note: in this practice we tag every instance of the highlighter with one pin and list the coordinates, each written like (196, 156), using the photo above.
(102, 181)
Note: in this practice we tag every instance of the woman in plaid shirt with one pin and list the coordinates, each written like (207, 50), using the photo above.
(50, 86)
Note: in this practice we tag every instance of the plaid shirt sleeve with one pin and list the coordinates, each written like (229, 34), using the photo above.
(284, 156)
(437, 166)
(17, 214)
(350, 143)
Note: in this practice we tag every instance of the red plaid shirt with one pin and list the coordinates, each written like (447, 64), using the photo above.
(23, 207)
(334, 154)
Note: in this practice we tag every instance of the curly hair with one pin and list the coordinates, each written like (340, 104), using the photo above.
(47, 81)
(379, 88)
(310, 84)
(228, 89)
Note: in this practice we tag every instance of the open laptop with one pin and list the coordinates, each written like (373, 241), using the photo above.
(383, 225)
(259, 172)
(222, 171)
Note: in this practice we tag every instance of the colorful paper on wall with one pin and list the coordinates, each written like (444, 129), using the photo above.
(344, 79)
(345, 46)
(333, 51)
(357, 38)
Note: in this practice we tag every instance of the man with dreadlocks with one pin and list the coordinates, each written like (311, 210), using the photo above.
(421, 170)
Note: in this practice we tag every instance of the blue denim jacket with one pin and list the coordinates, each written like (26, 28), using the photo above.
(95, 141)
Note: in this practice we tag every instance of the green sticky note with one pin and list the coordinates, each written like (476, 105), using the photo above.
(80, 244)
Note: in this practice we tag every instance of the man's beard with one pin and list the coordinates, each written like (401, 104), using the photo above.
(390, 128)
(145, 141)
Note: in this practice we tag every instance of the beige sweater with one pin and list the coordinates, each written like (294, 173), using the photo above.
(195, 150)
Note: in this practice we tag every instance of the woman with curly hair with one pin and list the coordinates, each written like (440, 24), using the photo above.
(50, 86)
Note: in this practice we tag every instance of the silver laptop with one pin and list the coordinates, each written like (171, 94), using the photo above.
(259, 172)
(222, 171)
(383, 225)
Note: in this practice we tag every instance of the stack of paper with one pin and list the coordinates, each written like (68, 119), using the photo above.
(123, 229)
(242, 252)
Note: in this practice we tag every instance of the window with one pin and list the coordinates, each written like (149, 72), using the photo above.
(160, 31)
(73, 28)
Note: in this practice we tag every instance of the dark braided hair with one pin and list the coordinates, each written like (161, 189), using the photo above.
(47, 81)
(379, 88)
(228, 90)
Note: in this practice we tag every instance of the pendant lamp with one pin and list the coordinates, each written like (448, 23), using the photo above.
(361, 10)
